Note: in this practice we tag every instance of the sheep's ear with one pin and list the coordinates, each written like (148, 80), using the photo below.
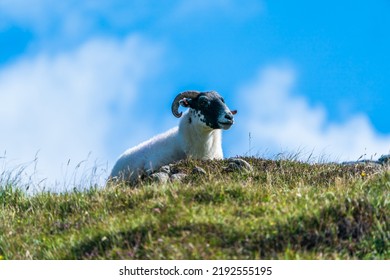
(185, 102)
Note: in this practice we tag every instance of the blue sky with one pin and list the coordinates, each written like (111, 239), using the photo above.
(91, 79)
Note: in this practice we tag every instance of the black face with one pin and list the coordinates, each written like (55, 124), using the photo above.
(212, 110)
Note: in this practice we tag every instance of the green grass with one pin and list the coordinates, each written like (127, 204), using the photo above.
(283, 210)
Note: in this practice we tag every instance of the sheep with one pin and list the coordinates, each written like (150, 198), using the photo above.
(197, 136)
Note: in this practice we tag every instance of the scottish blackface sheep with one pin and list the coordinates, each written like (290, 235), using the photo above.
(198, 136)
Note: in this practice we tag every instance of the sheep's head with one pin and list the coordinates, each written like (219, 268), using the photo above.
(208, 107)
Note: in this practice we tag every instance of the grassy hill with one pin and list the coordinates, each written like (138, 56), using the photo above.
(282, 210)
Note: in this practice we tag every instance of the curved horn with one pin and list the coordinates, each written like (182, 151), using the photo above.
(180, 96)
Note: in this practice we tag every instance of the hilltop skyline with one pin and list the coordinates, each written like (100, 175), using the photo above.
(91, 79)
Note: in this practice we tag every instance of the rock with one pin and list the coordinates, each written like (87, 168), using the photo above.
(159, 177)
(165, 169)
(199, 170)
(237, 164)
(178, 177)
(173, 168)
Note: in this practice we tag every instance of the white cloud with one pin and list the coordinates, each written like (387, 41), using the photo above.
(71, 21)
(68, 104)
(281, 121)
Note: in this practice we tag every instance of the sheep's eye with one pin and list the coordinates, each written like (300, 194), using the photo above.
(223, 100)
(203, 102)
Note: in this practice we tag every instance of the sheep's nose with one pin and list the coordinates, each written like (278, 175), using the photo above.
(229, 117)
